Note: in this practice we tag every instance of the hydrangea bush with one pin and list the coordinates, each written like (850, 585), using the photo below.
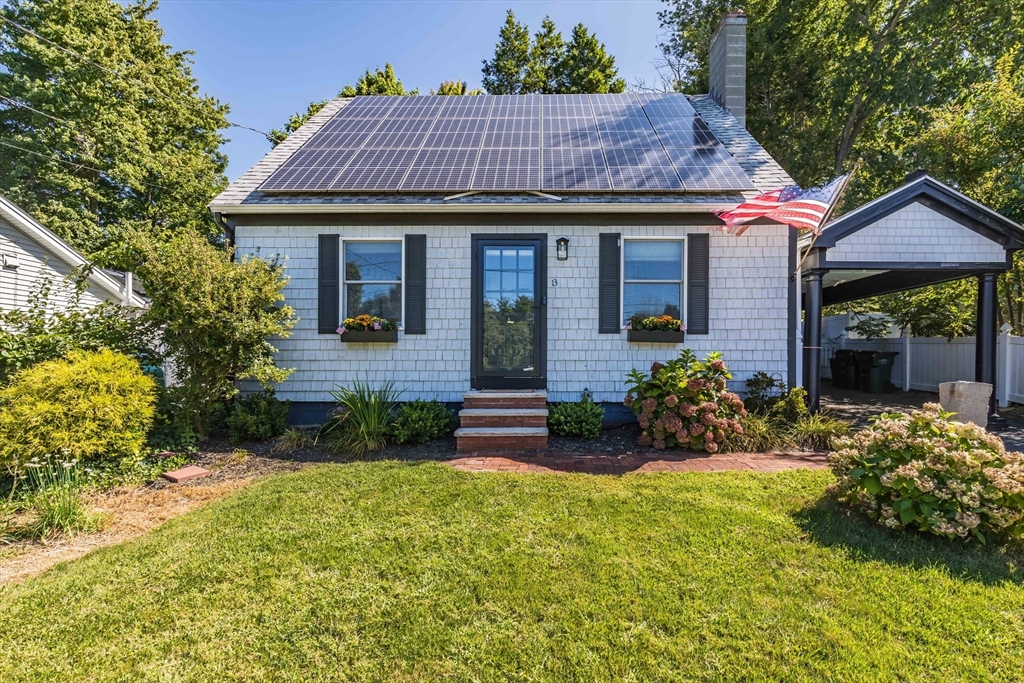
(928, 472)
(685, 403)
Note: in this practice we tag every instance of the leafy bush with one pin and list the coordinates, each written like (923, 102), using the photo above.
(422, 421)
(45, 330)
(216, 315)
(756, 435)
(363, 419)
(661, 323)
(292, 440)
(685, 403)
(790, 408)
(581, 419)
(172, 429)
(816, 432)
(56, 498)
(927, 472)
(92, 406)
(763, 391)
(257, 417)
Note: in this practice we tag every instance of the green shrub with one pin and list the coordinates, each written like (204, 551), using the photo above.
(925, 471)
(791, 407)
(757, 434)
(55, 498)
(363, 419)
(90, 407)
(816, 432)
(763, 392)
(581, 419)
(422, 421)
(685, 403)
(257, 417)
(172, 428)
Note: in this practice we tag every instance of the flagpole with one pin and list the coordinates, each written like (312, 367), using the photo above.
(828, 214)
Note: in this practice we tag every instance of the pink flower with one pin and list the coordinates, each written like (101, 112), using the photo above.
(711, 447)
(671, 400)
(649, 405)
(645, 439)
(628, 401)
(687, 410)
(655, 366)
(707, 418)
(738, 428)
(644, 422)
(659, 444)
(376, 326)
(718, 364)
(696, 430)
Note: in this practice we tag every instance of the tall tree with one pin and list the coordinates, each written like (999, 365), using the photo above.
(455, 88)
(102, 127)
(546, 55)
(506, 72)
(586, 66)
(376, 82)
(548, 64)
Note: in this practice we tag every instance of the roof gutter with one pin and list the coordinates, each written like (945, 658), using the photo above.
(221, 210)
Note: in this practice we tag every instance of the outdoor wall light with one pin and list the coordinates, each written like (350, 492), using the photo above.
(562, 248)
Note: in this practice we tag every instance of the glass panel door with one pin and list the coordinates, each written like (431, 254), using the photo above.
(508, 301)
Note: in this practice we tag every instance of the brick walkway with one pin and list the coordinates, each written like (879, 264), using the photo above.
(622, 464)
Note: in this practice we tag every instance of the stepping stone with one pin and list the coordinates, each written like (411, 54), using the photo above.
(186, 473)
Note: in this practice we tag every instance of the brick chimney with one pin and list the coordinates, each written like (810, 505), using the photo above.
(727, 65)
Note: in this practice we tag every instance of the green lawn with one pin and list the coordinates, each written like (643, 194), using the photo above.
(414, 571)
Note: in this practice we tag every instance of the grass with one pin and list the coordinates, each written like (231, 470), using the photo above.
(415, 571)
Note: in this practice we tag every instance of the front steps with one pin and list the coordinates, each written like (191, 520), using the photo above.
(496, 421)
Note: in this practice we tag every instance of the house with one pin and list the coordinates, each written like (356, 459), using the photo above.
(513, 237)
(30, 255)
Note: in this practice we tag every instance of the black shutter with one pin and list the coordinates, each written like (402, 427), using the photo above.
(697, 284)
(415, 284)
(328, 308)
(609, 314)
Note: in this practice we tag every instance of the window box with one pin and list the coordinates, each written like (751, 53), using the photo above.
(657, 336)
(369, 336)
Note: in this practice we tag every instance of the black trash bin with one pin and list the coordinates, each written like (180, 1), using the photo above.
(874, 371)
(844, 372)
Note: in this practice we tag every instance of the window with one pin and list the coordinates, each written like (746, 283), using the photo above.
(373, 279)
(652, 278)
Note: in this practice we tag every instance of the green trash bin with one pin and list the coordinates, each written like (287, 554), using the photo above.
(874, 371)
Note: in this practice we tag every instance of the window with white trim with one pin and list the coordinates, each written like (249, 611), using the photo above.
(653, 278)
(373, 279)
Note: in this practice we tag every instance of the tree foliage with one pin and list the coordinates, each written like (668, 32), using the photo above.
(455, 88)
(548, 64)
(116, 139)
(376, 82)
(216, 315)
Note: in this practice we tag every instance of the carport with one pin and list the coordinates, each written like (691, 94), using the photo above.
(921, 233)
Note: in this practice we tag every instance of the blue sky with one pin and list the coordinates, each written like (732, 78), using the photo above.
(269, 59)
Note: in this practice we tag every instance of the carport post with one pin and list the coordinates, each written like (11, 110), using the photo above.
(985, 339)
(812, 342)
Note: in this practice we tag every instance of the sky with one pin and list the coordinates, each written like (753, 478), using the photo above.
(268, 59)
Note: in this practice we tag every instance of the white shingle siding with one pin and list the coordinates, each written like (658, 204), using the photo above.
(917, 233)
(748, 299)
(17, 285)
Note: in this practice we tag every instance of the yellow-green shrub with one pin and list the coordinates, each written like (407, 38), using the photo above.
(91, 406)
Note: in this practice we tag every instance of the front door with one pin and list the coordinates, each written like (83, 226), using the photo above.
(509, 312)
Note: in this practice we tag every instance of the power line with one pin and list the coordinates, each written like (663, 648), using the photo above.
(35, 111)
(76, 164)
(142, 84)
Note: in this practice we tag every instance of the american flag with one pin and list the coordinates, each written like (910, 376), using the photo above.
(802, 209)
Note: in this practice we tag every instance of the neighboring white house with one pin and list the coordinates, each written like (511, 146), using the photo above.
(29, 254)
(430, 210)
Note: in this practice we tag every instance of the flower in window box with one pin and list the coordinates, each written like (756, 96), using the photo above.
(365, 322)
(661, 323)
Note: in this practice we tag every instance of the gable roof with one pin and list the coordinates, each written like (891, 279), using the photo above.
(935, 195)
(245, 195)
(21, 220)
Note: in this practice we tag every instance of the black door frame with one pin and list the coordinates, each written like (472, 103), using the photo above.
(478, 379)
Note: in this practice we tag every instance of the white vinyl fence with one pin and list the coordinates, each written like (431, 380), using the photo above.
(933, 360)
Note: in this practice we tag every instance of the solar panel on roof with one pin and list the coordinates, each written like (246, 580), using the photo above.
(575, 169)
(441, 169)
(507, 169)
(512, 142)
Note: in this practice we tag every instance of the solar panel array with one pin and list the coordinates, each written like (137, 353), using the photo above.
(558, 143)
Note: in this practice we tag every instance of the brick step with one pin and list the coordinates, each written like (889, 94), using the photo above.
(501, 439)
(505, 399)
(503, 417)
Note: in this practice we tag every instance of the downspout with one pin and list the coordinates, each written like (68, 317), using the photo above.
(228, 230)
